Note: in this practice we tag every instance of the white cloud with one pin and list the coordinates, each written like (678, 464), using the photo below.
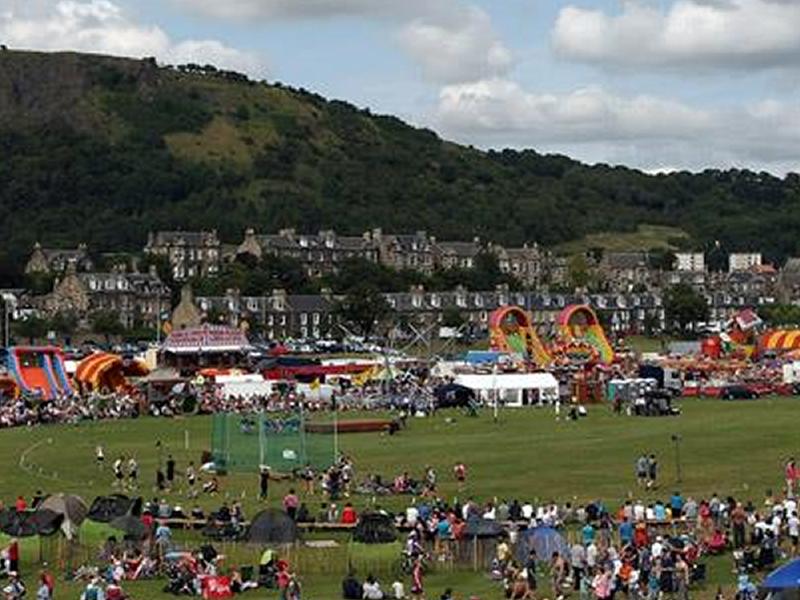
(588, 114)
(312, 9)
(595, 125)
(450, 40)
(464, 49)
(101, 26)
(731, 34)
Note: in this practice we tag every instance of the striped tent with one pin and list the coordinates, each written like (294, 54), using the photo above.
(104, 371)
(780, 340)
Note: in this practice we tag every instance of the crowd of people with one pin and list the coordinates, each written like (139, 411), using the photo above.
(640, 549)
(28, 410)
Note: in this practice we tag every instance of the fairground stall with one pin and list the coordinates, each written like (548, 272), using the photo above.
(196, 348)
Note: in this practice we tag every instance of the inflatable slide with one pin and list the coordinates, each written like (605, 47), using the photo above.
(578, 325)
(38, 370)
(511, 330)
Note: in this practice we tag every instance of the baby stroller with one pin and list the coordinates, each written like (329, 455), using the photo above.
(697, 574)
(268, 570)
(745, 561)
(179, 581)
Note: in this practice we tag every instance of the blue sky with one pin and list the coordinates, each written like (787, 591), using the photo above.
(655, 84)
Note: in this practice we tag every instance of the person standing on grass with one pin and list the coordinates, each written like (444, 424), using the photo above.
(460, 473)
(793, 529)
(558, 572)
(738, 519)
(641, 470)
(170, 472)
(652, 471)
(791, 474)
(417, 581)
(263, 483)
(13, 556)
(681, 578)
(530, 571)
(45, 590)
(191, 480)
(133, 473)
(290, 504)
(99, 456)
(119, 473)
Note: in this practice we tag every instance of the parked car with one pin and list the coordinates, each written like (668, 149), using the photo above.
(737, 392)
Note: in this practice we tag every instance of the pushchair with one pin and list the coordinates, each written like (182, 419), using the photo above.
(697, 573)
(745, 561)
(179, 582)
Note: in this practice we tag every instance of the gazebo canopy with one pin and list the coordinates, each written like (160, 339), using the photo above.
(786, 577)
(206, 339)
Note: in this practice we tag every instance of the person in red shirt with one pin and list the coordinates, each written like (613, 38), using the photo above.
(349, 515)
(790, 472)
(21, 505)
(13, 556)
(290, 504)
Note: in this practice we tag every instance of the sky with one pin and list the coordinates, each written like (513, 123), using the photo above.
(654, 84)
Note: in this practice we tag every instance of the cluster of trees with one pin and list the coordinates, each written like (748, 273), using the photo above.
(65, 325)
(781, 315)
(683, 307)
(326, 164)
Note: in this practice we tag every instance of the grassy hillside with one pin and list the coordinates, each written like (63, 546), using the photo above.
(102, 150)
(646, 237)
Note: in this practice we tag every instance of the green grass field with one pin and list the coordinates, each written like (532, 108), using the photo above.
(646, 237)
(728, 448)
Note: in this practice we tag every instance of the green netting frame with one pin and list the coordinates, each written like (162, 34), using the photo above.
(244, 442)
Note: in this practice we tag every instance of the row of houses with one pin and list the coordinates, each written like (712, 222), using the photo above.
(142, 299)
(80, 287)
(193, 254)
(281, 315)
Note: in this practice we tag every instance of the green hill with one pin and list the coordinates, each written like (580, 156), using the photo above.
(101, 150)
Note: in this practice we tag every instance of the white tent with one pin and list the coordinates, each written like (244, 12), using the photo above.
(512, 389)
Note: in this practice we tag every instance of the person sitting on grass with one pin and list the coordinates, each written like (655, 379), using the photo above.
(371, 590)
(349, 515)
(211, 487)
(351, 587)
(717, 543)
(94, 590)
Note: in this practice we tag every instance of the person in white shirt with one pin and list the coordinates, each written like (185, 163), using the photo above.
(412, 515)
(527, 511)
(591, 557)
(789, 506)
(776, 527)
(657, 549)
(638, 511)
(793, 527)
(398, 591)
(372, 589)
